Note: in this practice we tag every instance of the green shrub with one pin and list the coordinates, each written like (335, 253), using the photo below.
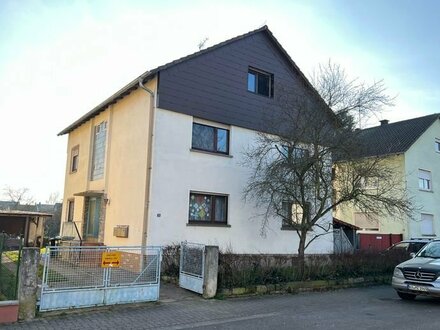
(249, 270)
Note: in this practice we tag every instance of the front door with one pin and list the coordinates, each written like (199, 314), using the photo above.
(92, 218)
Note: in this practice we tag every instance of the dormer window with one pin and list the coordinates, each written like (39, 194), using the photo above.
(260, 82)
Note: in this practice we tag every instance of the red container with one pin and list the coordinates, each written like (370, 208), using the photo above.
(377, 242)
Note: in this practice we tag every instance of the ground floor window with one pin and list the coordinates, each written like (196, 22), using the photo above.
(208, 208)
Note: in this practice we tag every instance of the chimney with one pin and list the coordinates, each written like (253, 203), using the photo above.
(384, 122)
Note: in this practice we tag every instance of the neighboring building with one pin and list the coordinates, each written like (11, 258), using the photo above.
(25, 224)
(412, 149)
(160, 161)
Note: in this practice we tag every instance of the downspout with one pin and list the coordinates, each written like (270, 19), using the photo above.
(149, 160)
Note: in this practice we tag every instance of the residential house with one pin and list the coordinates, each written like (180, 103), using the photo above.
(160, 161)
(412, 149)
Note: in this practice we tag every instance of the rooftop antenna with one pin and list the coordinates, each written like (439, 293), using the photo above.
(202, 43)
(264, 23)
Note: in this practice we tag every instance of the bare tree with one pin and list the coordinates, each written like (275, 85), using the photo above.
(293, 174)
(20, 196)
(54, 198)
(351, 99)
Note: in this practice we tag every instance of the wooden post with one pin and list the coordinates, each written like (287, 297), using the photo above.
(26, 231)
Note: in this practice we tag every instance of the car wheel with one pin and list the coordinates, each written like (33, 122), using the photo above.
(406, 296)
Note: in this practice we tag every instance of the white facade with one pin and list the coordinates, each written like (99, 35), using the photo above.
(423, 159)
(178, 170)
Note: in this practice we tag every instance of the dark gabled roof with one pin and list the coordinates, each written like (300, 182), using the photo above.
(394, 138)
(148, 75)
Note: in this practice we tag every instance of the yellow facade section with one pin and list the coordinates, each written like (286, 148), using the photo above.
(124, 185)
(390, 224)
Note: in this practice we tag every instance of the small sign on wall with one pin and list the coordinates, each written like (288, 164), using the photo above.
(120, 231)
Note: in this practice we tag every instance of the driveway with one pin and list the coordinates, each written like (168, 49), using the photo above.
(359, 308)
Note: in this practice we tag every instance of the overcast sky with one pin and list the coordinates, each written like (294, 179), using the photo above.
(59, 59)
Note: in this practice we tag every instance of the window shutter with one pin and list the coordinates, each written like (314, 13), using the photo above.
(427, 224)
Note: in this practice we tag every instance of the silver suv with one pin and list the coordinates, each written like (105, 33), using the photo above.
(419, 275)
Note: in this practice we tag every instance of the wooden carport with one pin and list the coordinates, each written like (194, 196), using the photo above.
(26, 224)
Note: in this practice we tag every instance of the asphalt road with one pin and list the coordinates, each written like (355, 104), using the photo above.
(360, 308)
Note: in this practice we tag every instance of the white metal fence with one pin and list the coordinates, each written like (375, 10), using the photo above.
(341, 242)
(192, 264)
(80, 276)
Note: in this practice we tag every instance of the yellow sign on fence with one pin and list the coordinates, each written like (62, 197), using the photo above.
(111, 259)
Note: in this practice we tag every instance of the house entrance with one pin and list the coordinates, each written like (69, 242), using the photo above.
(92, 217)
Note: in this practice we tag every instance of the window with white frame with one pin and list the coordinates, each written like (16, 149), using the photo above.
(425, 180)
(98, 159)
(437, 145)
(427, 225)
(293, 213)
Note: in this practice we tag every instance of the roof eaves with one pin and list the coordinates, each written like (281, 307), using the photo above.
(112, 99)
(148, 75)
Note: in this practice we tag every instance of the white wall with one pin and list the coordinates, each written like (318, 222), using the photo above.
(177, 171)
(422, 155)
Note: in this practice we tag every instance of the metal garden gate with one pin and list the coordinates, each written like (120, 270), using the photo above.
(192, 266)
(82, 276)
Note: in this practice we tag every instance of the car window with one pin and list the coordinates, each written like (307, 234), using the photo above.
(431, 250)
(415, 247)
(401, 246)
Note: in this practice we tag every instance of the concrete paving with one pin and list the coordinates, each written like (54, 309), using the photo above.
(359, 308)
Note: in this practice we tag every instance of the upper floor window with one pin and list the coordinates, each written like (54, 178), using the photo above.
(74, 159)
(99, 150)
(425, 181)
(208, 208)
(260, 82)
(437, 145)
(209, 138)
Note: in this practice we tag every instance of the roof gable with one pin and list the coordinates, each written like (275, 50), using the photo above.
(148, 75)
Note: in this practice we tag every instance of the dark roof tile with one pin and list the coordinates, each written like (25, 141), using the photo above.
(394, 138)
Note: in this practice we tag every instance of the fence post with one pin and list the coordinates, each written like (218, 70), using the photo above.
(210, 271)
(27, 288)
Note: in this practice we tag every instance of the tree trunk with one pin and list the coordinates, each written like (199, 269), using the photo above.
(301, 256)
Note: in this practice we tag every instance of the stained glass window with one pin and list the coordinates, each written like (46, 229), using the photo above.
(203, 207)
